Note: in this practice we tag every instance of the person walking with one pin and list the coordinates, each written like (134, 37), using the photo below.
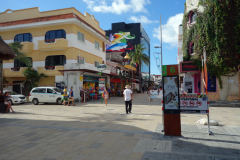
(143, 89)
(128, 98)
(105, 95)
(64, 96)
(71, 98)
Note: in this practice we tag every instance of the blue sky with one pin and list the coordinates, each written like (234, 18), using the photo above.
(111, 11)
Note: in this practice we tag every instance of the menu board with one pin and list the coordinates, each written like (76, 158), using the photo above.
(170, 93)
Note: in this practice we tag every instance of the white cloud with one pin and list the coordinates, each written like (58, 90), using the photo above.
(141, 19)
(117, 6)
(176, 2)
(169, 30)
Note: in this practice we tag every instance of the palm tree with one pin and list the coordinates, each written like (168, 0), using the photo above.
(139, 57)
(32, 76)
(16, 47)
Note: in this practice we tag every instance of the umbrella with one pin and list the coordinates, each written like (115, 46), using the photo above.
(6, 53)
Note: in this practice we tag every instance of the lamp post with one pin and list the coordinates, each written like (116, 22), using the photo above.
(129, 58)
(161, 65)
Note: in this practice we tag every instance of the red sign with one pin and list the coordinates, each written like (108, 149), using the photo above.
(185, 103)
(191, 103)
(198, 103)
(188, 67)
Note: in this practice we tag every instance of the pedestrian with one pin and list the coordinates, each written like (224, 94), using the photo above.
(64, 96)
(128, 98)
(71, 98)
(109, 92)
(7, 101)
(189, 90)
(105, 95)
(143, 89)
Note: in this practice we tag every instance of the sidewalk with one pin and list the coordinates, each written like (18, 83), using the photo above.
(98, 132)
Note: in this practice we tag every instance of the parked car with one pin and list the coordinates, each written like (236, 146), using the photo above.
(45, 95)
(16, 98)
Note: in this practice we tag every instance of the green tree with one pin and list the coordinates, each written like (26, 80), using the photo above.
(32, 76)
(139, 57)
(16, 47)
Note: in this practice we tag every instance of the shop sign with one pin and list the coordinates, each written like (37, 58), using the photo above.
(101, 67)
(90, 79)
(169, 70)
(188, 67)
(171, 94)
(193, 103)
(101, 85)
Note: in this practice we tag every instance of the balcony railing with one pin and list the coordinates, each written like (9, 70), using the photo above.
(49, 67)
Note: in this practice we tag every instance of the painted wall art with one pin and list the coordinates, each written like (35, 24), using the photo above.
(120, 42)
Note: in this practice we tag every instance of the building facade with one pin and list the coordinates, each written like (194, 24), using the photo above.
(190, 74)
(65, 45)
(123, 38)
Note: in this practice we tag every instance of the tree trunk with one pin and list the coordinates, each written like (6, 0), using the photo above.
(1, 76)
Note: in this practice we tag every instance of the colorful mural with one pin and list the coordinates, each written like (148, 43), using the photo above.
(119, 42)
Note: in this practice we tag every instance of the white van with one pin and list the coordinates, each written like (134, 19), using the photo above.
(45, 95)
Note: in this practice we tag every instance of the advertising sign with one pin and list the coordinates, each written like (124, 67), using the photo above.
(155, 94)
(188, 67)
(193, 103)
(170, 70)
(171, 93)
(101, 85)
(101, 67)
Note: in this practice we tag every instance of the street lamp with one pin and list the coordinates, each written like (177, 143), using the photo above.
(129, 58)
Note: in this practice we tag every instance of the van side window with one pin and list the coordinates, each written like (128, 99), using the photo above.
(49, 90)
(35, 90)
(42, 90)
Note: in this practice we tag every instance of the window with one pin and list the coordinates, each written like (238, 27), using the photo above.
(50, 36)
(81, 60)
(35, 90)
(96, 63)
(24, 37)
(212, 83)
(55, 60)
(1, 38)
(191, 48)
(42, 90)
(18, 64)
(96, 45)
(192, 17)
(81, 37)
(49, 90)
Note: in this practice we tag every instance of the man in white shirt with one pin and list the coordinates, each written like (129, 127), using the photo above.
(128, 98)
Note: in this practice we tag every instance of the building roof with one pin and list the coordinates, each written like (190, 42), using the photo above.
(6, 52)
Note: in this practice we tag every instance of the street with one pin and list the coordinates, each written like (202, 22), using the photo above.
(98, 132)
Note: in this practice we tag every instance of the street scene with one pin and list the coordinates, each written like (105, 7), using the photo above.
(120, 80)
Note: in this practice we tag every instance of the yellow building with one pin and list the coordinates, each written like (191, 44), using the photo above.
(63, 44)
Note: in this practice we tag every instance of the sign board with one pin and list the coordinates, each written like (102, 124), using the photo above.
(155, 93)
(101, 85)
(193, 103)
(188, 67)
(171, 94)
(169, 70)
(101, 67)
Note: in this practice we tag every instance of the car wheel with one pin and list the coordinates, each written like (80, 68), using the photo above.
(11, 102)
(59, 101)
(35, 101)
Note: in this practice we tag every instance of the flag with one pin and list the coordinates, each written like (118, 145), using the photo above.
(136, 64)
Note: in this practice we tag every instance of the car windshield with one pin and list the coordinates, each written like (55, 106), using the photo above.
(57, 90)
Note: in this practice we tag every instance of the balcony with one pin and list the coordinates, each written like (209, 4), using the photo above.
(14, 72)
(59, 44)
(27, 47)
(50, 70)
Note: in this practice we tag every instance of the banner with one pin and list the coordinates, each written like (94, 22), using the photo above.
(101, 85)
(193, 103)
(155, 94)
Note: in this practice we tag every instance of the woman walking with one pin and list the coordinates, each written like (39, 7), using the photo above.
(105, 95)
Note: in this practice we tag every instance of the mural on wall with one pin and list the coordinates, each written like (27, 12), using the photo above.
(119, 42)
